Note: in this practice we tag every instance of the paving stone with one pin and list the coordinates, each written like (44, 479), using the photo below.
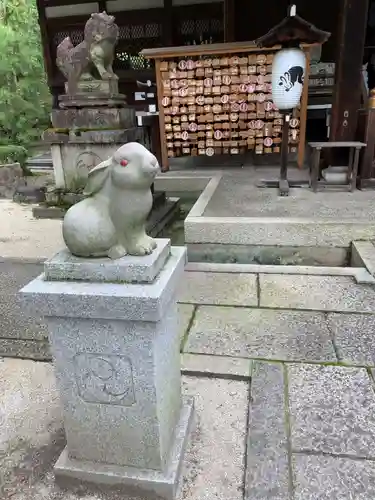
(261, 333)
(354, 337)
(237, 196)
(332, 410)
(267, 471)
(184, 314)
(323, 293)
(214, 463)
(16, 323)
(217, 366)
(333, 478)
(219, 289)
(28, 349)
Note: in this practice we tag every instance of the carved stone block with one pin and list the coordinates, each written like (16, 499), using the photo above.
(92, 99)
(88, 86)
(94, 118)
(74, 157)
(130, 269)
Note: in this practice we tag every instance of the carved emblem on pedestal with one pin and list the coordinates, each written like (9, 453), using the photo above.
(104, 378)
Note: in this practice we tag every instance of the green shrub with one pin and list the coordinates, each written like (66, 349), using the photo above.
(13, 154)
(25, 100)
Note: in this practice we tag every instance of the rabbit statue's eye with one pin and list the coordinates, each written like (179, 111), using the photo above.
(123, 163)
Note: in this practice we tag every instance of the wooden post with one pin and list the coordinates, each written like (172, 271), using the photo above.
(168, 23)
(350, 50)
(283, 182)
(229, 21)
(303, 116)
(162, 138)
(367, 160)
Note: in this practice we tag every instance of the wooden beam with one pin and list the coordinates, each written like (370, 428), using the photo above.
(350, 49)
(122, 18)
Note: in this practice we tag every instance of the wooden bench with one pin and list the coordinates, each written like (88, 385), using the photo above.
(355, 148)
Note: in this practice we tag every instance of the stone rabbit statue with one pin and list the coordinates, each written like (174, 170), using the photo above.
(110, 222)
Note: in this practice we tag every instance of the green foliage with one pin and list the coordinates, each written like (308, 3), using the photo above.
(12, 154)
(24, 97)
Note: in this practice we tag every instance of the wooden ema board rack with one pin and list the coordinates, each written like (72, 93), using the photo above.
(213, 103)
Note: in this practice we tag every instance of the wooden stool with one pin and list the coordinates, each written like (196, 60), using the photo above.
(355, 148)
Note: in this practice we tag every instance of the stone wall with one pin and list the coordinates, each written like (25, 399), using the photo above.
(20, 335)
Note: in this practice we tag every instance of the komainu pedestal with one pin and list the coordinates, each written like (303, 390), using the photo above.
(115, 343)
(93, 119)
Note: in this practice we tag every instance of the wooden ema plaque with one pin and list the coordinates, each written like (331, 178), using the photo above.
(221, 104)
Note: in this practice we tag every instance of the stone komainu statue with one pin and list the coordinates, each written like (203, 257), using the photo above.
(95, 52)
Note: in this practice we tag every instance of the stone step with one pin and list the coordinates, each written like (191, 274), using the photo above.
(337, 293)
(359, 272)
(40, 163)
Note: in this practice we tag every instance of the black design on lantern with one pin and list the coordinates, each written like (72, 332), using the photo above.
(291, 77)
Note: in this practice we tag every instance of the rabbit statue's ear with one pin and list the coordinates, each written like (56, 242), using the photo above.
(97, 177)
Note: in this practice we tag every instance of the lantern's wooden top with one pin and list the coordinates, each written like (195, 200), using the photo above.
(293, 29)
(209, 49)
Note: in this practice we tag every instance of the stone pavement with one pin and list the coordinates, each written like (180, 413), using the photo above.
(238, 196)
(282, 367)
(308, 345)
(282, 371)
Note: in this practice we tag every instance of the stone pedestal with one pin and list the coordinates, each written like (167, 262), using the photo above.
(115, 343)
(90, 126)
(74, 153)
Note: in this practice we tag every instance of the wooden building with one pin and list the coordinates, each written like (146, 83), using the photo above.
(157, 23)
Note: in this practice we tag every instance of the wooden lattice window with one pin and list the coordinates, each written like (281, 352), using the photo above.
(132, 39)
(75, 35)
(197, 24)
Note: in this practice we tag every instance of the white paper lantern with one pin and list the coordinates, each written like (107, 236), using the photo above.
(288, 72)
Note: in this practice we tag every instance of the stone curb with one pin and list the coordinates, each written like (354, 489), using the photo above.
(268, 472)
(203, 200)
(181, 183)
(363, 255)
(360, 274)
(271, 231)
